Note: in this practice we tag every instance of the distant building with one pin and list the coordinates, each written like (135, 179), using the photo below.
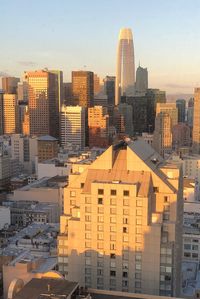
(9, 84)
(126, 111)
(141, 84)
(169, 108)
(72, 128)
(162, 136)
(43, 103)
(47, 148)
(5, 168)
(22, 91)
(109, 89)
(83, 87)
(181, 135)
(5, 218)
(97, 85)
(190, 112)
(196, 122)
(98, 124)
(10, 114)
(1, 113)
(181, 106)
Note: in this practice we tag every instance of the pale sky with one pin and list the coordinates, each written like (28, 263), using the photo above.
(69, 35)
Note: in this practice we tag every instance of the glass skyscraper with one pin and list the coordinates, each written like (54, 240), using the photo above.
(125, 73)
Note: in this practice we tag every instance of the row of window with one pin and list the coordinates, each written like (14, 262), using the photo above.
(113, 192)
(114, 219)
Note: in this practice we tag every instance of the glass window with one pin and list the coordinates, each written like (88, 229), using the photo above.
(126, 211)
(87, 244)
(100, 201)
(126, 202)
(112, 273)
(125, 220)
(112, 264)
(138, 230)
(100, 210)
(112, 219)
(138, 266)
(139, 212)
(139, 221)
(125, 229)
(88, 236)
(100, 191)
(125, 238)
(100, 228)
(139, 203)
(113, 229)
(100, 245)
(87, 218)
(138, 275)
(138, 239)
(72, 193)
(87, 200)
(100, 219)
(113, 211)
(100, 236)
(126, 192)
(113, 201)
(112, 237)
(113, 192)
(88, 209)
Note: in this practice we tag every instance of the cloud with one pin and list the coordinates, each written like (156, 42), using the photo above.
(173, 85)
(27, 63)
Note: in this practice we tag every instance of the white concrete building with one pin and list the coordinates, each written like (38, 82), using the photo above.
(72, 125)
(4, 217)
(53, 167)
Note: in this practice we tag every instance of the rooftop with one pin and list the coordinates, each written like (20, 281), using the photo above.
(47, 138)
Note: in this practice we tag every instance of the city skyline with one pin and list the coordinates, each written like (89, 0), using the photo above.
(165, 37)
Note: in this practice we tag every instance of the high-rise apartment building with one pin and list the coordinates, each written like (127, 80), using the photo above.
(10, 114)
(83, 87)
(109, 89)
(9, 84)
(181, 105)
(72, 126)
(169, 108)
(122, 223)
(43, 103)
(141, 84)
(196, 122)
(125, 72)
(97, 85)
(162, 136)
(98, 124)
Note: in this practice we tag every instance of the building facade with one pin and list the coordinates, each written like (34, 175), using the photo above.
(10, 114)
(83, 87)
(121, 227)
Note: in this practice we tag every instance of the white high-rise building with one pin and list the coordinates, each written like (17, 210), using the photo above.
(125, 73)
(72, 125)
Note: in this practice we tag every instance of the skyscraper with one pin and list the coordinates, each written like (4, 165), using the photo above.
(141, 84)
(109, 89)
(122, 223)
(196, 122)
(10, 114)
(83, 87)
(180, 105)
(125, 72)
(9, 84)
(43, 103)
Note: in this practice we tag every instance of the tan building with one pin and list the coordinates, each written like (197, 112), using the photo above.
(83, 87)
(9, 84)
(98, 123)
(26, 124)
(122, 223)
(196, 122)
(43, 103)
(162, 136)
(169, 108)
(10, 114)
(47, 148)
(97, 86)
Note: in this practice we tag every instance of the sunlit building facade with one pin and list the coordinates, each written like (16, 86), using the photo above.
(196, 122)
(121, 228)
(10, 114)
(125, 71)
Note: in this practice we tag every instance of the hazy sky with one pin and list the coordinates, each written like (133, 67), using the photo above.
(71, 35)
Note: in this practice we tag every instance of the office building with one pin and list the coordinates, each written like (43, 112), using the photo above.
(43, 103)
(126, 111)
(98, 124)
(72, 126)
(141, 84)
(83, 87)
(4, 217)
(22, 91)
(140, 114)
(109, 89)
(47, 148)
(97, 85)
(190, 112)
(5, 167)
(9, 84)
(181, 106)
(196, 123)
(162, 136)
(125, 69)
(60, 89)
(169, 108)
(122, 223)
(1, 112)
(10, 114)
(181, 135)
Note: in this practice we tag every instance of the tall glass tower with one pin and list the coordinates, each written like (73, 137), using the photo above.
(125, 73)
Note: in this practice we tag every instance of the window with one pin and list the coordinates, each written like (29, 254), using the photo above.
(124, 283)
(125, 229)
(88, 236)
(112, 219)
(72, 202)
(100, 191)
(125, 220)
(88, 261)
(195, 247)
(112, 264)
(82, 185)
(100, 236)
(138, 266)
(125, 265)
(100, 245)
(139, 212)
(138, 221)
(138, 230)
(100, 263)
(165, 216)
(72, 193)
(87, 244)
(100, 219)
(87, 200)
(113, 201)
(125, 274)
(87, 218)
(112, 237)
(112, 282)
(138, 275)
(138, 284)
(187, 246)
(100, 254)
(139, 203)
(138, 257)
(100, 272)
(87, 253)
(88, 209)
(112, 256)
(195, 255)
(113, 229)
(87, 226)
(125, 238)
(112, 246)
(138, 239)
(99, 280)
(155, 189)
(126, 211)
(100, 228)
(126, 193)
(126, 202)
(100, 210)
(113, 211)
(113, 192)
(112, 273)
(166, 208)
(166, 199)
(100, 201)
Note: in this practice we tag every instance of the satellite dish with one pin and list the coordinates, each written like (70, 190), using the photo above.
(15, 286)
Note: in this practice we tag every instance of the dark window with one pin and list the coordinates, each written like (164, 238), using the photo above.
(113, 192)
(100, 191)
(125, 229)
(82, 185)
(100, 201)
(125, 274)
(155, 189)
(126, 193)
(112, 273)
(112, 256)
